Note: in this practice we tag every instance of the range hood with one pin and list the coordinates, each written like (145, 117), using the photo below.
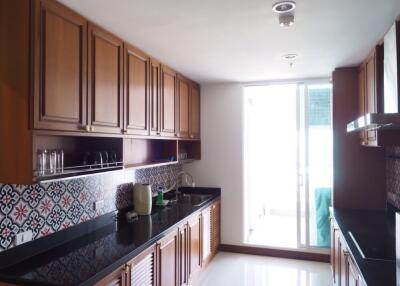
(374, 121)
(390, 118)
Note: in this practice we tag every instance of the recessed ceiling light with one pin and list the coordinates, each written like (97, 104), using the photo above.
(290, 57)
(283, 6)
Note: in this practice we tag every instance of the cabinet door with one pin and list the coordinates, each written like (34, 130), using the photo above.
(136, 95)
(194, 227)
(371, 92)
(343, 272)
(352, 273)
(206, 235)
(362, 100)
(183, 107)
(143, 268)
(116, 278)
(333, 251)
(168, 99)
(105, 81)
(195, 112)
(183, 255)
(168, 260)
(155, 98)
(215, 227)
(59, 67)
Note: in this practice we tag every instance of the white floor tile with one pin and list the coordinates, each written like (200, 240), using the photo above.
(233, 269)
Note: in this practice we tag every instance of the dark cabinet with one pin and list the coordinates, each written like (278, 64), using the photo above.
(183, 107)
(194, 245)
(136, 95)
(142, 270)
(183, 254)
(370, 81)
(105, 60)
(194, 112)
(116, 278)
(168, 261)
(59, 67)
(344, 270)
(168, 102)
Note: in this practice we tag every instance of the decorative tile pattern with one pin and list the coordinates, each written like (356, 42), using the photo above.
(50, 207)
(393, 175)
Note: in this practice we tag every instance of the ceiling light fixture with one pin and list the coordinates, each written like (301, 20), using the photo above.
(283, 7)
(285, 11)
(290, 57)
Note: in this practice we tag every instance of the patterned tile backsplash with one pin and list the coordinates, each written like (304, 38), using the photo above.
(50, 207)
(393, 175)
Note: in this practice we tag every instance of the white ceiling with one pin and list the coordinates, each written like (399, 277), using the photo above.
(240, 40)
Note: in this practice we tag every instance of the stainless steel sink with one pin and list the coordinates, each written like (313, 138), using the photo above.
(195, 200)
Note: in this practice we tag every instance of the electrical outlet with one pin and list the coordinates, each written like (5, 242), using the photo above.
(23, 237)
(98, 205)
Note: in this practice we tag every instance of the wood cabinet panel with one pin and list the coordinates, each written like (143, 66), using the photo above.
(206, 235)
(143, 268)
(183, 108)
(168, 260)
(195, 112)
(194, 227)
(168, 102)
(59, 65)
(362, 100)
(136, 93)
(155, 98)
(215, 227)
(183, 254)
(105, 81)
(353, 276)
(116, 278)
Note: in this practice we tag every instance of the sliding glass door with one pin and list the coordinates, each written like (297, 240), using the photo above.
(288, 165)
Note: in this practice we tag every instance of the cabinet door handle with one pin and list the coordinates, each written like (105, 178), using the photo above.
(124, 131)
(85, 128)
(92, 128)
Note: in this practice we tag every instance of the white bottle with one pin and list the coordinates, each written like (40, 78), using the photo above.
(142, 199)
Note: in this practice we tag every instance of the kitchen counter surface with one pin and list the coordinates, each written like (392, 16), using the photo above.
(374, 232)
(88, 259)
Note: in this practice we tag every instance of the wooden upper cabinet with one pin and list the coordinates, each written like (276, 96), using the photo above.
(116, 278)
(155, 98)
(183, 107)
(168, 260)
(137, 87)
(105, 81)
(168, 100)
(194, 112)
(59, 67)
(143, 268)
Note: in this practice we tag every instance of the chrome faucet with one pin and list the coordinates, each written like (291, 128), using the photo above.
(175, 186)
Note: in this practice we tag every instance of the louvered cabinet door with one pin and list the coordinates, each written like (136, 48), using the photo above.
(215, 227)
(143, 268)
(116, 278)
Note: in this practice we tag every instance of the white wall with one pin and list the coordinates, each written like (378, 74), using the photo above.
(221, 162)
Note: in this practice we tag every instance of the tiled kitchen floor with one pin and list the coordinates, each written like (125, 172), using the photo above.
(250, 270)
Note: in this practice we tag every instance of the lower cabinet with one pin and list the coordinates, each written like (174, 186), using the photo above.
(116, 278)
(142, 270)
(344, 269)
(176, 258)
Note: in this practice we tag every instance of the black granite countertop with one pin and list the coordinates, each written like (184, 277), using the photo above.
(374, 232)
(87, 259)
